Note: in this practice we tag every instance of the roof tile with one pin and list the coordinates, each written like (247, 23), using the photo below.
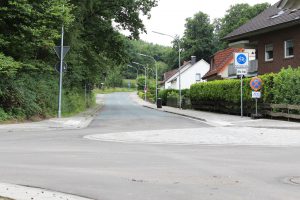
(221, 59)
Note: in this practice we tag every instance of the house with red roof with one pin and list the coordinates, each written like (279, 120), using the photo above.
(222, 67)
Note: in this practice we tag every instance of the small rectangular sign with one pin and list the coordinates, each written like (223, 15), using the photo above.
(241, 71)
(256, 95)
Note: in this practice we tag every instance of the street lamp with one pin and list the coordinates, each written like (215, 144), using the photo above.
(155, 74)
(179, 73)
(145, 89)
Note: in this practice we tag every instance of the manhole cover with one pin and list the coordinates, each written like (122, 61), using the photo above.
(295, 180)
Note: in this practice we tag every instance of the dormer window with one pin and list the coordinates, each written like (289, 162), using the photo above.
(277, 15)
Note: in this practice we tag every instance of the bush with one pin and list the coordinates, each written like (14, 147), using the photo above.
(35, 94)
(218, 95)
(286, 89)
(3, 115)
(163, 94)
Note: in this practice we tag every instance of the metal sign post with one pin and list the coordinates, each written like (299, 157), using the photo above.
(242, 96)
(61, 51)
(241, 62)
(256, 84)
(145, 89)
(61, 71)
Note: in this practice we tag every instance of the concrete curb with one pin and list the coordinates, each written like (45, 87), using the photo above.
(79, 121)
(176, 113)
(90, 117)
(19, 192)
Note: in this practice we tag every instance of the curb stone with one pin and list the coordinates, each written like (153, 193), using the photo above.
(184, 115)
(19, 192)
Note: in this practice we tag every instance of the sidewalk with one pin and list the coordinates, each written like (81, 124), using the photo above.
(79, 121)
(221, 120)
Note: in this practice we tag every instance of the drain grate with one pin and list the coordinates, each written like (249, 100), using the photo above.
(295, 180)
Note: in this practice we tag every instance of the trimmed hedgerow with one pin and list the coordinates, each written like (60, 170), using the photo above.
(283, 87)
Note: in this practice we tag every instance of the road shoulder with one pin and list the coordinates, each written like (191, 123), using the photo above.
(78, 121)
(220, 120)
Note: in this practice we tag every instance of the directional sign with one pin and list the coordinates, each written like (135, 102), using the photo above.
(256, 83)
(241, 71)
(57, 50)
(241, 60)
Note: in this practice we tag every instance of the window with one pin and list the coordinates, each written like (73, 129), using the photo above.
(198, 77)
(269, 52)
(288, 49)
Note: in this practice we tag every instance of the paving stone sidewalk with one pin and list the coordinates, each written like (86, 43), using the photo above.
(221, 120)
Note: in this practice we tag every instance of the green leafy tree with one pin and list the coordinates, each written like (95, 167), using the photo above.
(198, 37)
(29, 29)
(235, 17)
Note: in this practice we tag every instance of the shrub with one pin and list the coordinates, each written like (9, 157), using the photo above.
(283, 87)
(163, 94)
(36, 94)
(286, 87)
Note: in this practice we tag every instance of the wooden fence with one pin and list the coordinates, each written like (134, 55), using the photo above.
(282, 111)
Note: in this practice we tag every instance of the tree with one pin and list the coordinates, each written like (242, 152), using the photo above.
(198, 37)
(235, 17)
(165, 57)
(29, 29)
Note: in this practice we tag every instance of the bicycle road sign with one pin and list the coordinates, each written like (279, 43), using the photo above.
(241, 60)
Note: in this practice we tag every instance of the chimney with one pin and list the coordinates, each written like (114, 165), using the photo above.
(193, 60)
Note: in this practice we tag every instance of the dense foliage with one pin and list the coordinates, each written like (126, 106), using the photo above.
(281, 88)
(202, 38)
(235, 17)
(165, 58)
(29, 29)
(198, 37)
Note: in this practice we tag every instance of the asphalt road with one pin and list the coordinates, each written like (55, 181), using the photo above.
(64, 161)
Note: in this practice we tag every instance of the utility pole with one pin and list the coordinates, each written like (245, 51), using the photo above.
(145, 89)
(156, 88)
(61, 69)
(179, 62)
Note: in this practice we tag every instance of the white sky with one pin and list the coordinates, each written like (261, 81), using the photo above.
(169, 16)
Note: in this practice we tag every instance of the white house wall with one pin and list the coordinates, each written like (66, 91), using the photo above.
(188, 76)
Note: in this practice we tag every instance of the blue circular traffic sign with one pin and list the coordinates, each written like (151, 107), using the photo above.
(241, 59)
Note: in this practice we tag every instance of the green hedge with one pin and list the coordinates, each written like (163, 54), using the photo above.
(283, 87)
(163, 94)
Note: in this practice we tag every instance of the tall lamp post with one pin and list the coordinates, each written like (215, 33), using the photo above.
(139, 64)
(179, 73)
(155, 74)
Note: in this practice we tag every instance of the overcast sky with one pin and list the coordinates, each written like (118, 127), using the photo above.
(169, 16)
